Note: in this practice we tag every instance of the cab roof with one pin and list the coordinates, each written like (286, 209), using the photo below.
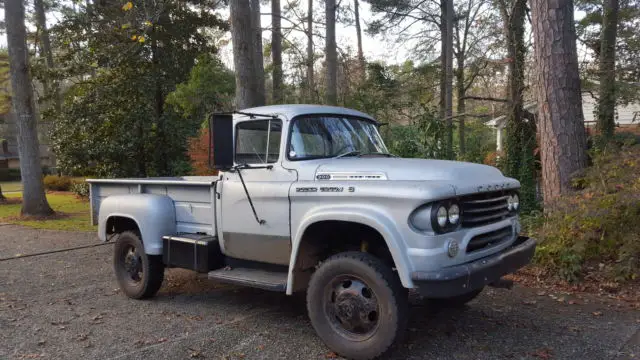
(289, 111)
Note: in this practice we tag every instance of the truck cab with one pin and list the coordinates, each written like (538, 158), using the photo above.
(308, 198)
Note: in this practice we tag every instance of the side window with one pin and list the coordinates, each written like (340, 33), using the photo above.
(258, 142)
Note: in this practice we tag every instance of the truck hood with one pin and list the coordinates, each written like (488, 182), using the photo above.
(464, 177)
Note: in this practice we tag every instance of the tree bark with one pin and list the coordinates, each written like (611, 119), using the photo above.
(520, 141)
(361, 63)
(34, 201)
(607, 93)
(442, 105)
(562, 134)
(258, 59)
(161, 164)
(243, 54)
(51, 88)
(2, 198)
(310, 56)
(276, 51)
(331, 54)
(461, 108)
(449, 78)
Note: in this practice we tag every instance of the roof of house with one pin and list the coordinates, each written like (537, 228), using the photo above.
(8, 157)
(625, 114)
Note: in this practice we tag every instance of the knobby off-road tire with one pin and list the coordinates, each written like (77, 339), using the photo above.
(139, 275)
(456, 301)
(357, 305)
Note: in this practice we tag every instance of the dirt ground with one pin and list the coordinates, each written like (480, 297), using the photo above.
(67, 305)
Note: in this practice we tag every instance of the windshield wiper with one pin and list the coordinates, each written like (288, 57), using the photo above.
(360, 154)
(380, 153)
(349, 153)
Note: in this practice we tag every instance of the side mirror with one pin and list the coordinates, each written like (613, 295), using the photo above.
(221, 141)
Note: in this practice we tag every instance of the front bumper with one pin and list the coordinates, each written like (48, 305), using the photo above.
(461, 279)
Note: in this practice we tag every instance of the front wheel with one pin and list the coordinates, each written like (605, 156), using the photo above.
(140, 275)
(357, 305)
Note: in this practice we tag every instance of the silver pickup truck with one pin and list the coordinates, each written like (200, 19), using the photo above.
(308, 198)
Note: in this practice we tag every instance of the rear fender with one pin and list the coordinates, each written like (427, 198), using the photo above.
(155, 216)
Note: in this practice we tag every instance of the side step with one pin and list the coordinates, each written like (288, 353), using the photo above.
(258, 278)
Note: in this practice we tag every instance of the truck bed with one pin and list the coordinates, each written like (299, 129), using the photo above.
(193, 196)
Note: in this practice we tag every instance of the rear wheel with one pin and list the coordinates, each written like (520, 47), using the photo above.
(357, 305)
(139, 275)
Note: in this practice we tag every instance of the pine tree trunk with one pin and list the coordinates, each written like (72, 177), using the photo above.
(51, 88)
(34, 202)
(243, 54)
(561, 122)
(2, 198)
(310, 56)
(276, 51)
(258, 59)
(607, 93)
(331, 54)
(361, 62)
(520, 139)
(161, 134)
(442, 105)
(461, 108)
(449, 79)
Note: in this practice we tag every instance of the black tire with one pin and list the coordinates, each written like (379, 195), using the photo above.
(140, 275)
(346, 286)
(456, 301)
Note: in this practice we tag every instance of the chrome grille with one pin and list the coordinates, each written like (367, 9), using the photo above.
(483, 209)
(489, 239)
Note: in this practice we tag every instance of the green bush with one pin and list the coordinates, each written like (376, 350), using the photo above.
(596, 228)
(58, 183)
(80, 188)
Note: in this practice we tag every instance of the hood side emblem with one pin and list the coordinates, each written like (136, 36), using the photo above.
(351, 176)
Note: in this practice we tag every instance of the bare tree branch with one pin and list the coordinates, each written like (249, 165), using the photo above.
(486, 99)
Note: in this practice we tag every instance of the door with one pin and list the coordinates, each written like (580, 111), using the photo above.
(258, 143)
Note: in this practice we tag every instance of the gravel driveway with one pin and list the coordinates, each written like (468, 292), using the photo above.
(67, 306)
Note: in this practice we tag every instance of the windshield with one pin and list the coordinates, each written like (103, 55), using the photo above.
(330, 136)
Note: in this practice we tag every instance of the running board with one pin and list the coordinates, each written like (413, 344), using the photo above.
(257, 278)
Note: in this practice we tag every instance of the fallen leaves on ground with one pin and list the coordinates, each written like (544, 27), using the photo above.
(544, 353)
(30, 356)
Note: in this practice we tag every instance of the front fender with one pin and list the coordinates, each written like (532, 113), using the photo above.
(155, 216)
(363, 215)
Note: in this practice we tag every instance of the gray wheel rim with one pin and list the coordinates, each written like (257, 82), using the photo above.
(351, 307)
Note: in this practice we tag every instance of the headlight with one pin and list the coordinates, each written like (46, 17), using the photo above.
(441, 216)
(454, 214)
(445, 216)
(513, 202)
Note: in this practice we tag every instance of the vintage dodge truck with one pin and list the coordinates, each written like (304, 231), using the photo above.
(308, 198)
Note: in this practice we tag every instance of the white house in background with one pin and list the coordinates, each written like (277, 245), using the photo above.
(626, 115)
(9, 143)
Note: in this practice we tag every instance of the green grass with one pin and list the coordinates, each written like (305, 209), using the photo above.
(75, 213)
(11, 186)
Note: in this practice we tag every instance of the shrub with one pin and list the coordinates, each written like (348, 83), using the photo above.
(58, 183)
(596, 228)
(80, 188)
